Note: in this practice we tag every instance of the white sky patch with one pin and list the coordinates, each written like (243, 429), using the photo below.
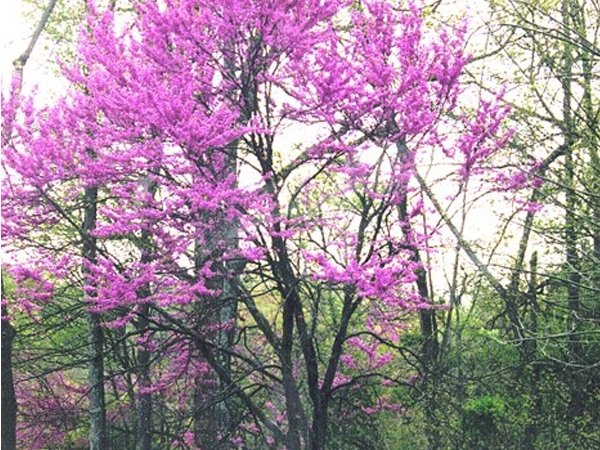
(14, 35)
(16, 30)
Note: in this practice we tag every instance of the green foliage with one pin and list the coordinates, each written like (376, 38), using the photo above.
(490, 408)
(484, 414)
(61, 30)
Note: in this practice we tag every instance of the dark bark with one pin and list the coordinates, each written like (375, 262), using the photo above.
(292, 396)
(294, 314)
(287, 285)
(427, 319)
(98, 436)
(9, 400)
(144, 399)
(213, 415)
(571, 232)
(530, 349)
(336, 352)
(318, 427)
(228, 307)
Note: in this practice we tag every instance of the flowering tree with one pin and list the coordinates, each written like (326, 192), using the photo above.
(264, 277)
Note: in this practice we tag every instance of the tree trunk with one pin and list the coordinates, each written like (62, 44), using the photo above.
(427, 320)
(9, 401)
(292, 398)
(97, 409)
(213, 421)
(144, 399)
(226, 336)
(571, 234)
(530, 348)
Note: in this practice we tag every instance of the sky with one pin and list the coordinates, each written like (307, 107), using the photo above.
(14, 32)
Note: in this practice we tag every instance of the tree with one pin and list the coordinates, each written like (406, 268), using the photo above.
(310, 248)
(8, 331)
(557, 52)
(544, 53)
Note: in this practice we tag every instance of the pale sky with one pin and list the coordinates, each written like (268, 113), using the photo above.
(14, 32)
